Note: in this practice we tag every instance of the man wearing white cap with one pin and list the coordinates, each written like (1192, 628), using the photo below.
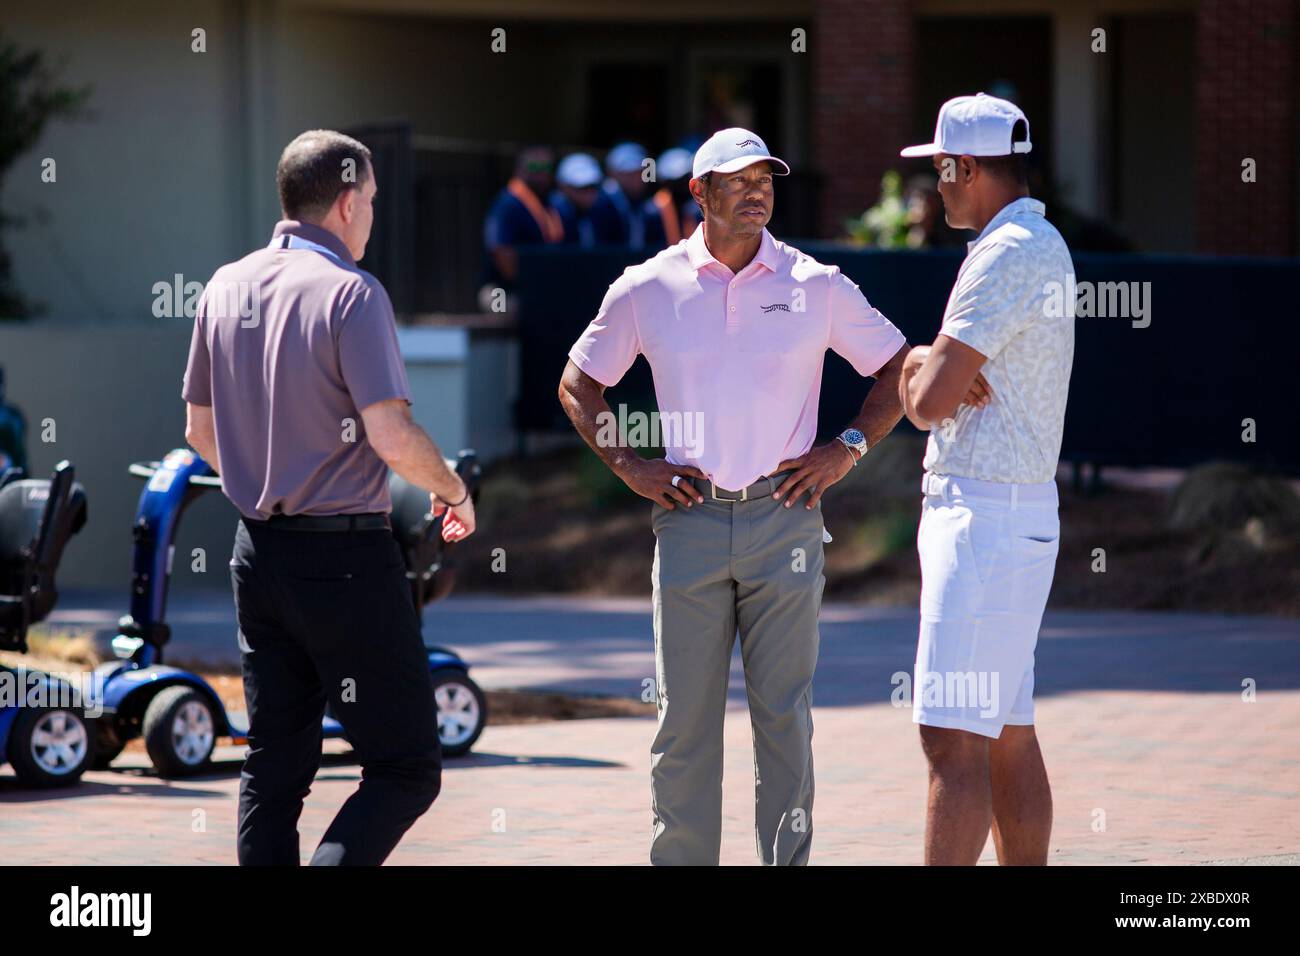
(735, 327)
(625, 193)
(991, 391)
(577, 180)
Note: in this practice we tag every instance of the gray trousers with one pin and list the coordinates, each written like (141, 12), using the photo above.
(753, 566)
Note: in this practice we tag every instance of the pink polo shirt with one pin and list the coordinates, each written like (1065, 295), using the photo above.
(737, 357)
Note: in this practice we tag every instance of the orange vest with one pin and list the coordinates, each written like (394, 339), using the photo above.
(548, 220)
(663, 199)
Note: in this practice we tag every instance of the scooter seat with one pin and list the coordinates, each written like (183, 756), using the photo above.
(33, 533)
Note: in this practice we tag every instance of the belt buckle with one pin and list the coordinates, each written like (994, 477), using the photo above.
(713, 493)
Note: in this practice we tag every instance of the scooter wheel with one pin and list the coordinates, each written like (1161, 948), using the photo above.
(50, 746)
(462, 711)
(179, 731)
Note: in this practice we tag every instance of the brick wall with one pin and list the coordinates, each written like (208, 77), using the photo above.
(863, 66)
(1246, 107)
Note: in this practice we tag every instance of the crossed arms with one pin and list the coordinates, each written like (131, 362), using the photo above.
(939, 378)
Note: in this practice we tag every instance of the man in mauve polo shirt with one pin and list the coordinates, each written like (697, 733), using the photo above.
(296, 394)
(735, 326)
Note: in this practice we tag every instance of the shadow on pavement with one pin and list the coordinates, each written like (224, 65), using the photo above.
(136, 780)
(11, 791)
(475, 760)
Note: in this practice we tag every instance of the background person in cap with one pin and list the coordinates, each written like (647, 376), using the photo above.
(991, 391)
(735, 326)
(577, 191)
(519, 216)
(623, 213)
(302, 411)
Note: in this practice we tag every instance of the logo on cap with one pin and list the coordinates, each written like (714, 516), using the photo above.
(724, 154)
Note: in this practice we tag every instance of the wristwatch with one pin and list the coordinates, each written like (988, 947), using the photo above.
(854, 440)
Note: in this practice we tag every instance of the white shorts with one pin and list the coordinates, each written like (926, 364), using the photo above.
(988, 553)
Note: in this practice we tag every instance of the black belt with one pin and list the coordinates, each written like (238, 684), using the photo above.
(372, 521)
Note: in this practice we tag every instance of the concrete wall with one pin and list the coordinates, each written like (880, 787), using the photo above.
(145, 183)
(112, 396)
(112, 393)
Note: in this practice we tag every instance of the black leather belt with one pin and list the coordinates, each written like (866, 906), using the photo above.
(372, 521)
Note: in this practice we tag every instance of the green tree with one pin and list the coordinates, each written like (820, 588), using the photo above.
(885, 224)
(30, 98)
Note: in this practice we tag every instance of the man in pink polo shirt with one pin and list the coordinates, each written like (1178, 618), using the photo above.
(735, 326)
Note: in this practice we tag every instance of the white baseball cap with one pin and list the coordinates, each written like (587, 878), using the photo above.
(728, 150)
(625, 158)
(675, 163)
(578, 170)
(979, 125)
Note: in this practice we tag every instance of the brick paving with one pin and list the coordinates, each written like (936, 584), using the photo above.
(1180, 778)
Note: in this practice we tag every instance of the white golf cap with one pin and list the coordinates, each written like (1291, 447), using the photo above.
(979, 125)
(625, 158)
(731, 149)
(578, 170)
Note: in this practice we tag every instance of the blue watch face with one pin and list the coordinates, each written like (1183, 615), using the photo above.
(854, 437)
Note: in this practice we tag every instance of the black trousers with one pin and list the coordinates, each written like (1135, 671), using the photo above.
(328, 617)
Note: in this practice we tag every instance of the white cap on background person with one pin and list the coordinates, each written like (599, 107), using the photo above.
(979, 125)
(675, 163)
(731, 149)
(625, 158)
(579, 171)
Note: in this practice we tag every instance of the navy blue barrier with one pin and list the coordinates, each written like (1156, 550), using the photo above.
(1173, 393)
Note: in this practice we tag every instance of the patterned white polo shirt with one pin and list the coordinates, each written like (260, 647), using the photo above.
(999, 307)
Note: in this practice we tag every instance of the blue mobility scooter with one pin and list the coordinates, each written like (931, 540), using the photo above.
(45, 734)
(176, 711)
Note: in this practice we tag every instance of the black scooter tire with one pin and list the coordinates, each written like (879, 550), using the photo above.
(26, 768)
(158, 719)
(460, 678)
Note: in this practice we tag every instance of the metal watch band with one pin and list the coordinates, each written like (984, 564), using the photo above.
(854, 448)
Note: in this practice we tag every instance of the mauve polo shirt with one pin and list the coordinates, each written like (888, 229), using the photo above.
(286, 377)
